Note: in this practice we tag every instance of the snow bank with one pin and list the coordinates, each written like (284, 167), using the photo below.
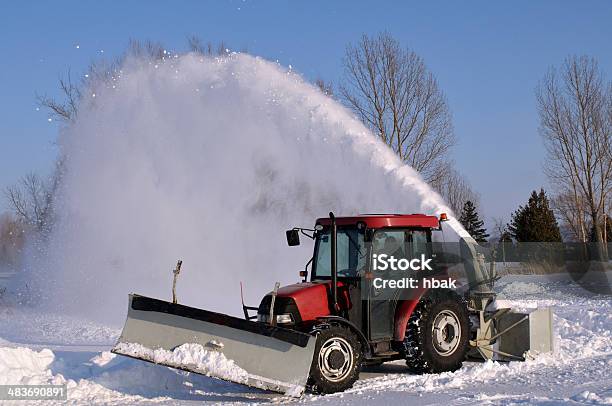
(592, 398)
(522, 288)
(106, 378)
(190, 356)
(208, 160)
(27, 367)
(576, 372)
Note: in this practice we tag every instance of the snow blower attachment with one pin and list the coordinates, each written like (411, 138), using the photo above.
(501, 334)
(319, 332)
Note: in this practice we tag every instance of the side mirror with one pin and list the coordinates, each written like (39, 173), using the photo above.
(293, 237)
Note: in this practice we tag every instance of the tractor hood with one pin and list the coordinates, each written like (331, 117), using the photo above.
(311, 298)
(306, 301)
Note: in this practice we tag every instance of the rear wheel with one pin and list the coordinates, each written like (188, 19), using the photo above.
(437, 334)
(336, 362)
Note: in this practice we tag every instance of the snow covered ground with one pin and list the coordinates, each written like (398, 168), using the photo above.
(37, 348)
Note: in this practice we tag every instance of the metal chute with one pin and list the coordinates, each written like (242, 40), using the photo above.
(274, 358)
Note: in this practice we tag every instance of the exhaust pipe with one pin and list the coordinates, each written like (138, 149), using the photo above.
(334, 271)
(272, 320)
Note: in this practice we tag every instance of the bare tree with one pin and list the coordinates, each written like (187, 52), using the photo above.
(394, 94)
(197, 45)
(12, 240)
(32, 202)
(71, 91)
(570, 209)
(31, 199)
(501, 229)
(151, 50)
(575, 105)
(103, 71)
(502, 236)
(65, 110)
(325, 87)
(456, 190)
(499, 226)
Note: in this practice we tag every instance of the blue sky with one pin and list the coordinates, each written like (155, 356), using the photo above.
(488, 57)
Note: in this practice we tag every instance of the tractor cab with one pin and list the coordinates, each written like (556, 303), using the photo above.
(338, 285)
(358, 239)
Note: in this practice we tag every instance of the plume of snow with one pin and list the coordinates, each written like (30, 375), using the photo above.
(208, 160)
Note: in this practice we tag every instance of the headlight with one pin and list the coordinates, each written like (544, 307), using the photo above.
(280, 318)
(284, 318)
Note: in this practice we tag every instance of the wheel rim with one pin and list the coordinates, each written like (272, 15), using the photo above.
(335, 359)
(446, 333)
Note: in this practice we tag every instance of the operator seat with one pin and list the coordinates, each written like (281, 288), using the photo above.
(393, 248)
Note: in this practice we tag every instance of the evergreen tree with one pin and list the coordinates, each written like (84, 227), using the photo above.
(536, 221)
(472, 223)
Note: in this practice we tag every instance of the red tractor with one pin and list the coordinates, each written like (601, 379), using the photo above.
(318, 333)
(429, 331)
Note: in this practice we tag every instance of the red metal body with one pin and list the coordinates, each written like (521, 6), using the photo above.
(312, 298)
(402, 315)
(386, 220)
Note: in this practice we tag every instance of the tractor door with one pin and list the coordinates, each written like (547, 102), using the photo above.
(400, 243)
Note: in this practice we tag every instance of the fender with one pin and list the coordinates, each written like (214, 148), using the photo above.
(402, 315)
(365, 345)
(405, 309)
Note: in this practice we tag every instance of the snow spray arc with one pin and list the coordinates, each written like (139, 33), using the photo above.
(207, 159)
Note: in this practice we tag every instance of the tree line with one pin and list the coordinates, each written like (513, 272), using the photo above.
(393, 93)
(390, 89)
(533, 222)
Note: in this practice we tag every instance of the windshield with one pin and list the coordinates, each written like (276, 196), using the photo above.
(352, 252)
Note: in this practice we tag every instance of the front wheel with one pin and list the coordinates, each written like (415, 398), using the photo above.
(336, 362)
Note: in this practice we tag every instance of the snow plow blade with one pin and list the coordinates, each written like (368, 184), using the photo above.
(233, 349)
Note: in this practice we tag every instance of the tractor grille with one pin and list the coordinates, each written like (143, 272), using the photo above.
(282, 305)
